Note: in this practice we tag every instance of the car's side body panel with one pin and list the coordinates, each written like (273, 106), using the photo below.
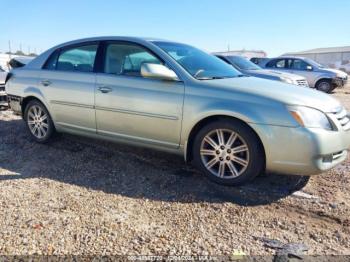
(141, 109)
(80, 87)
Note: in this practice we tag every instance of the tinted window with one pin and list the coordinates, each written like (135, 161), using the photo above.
(198, 63)
(79, 59)
(299, 64)
(127, 59)
(280, 63)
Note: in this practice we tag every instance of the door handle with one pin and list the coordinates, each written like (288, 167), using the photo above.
(46, 82)
(104, 89)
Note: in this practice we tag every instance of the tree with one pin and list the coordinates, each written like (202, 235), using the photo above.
(19, 52)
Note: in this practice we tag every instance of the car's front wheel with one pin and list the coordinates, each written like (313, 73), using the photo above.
(324, 85)
(39, 122)
(228, 152)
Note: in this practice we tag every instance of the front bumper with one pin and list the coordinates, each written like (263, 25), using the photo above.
(3, 96)
(302, 151)
(340, 82)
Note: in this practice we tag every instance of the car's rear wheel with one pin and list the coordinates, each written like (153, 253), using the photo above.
(228, 152)
(39, 122)
(324, 85)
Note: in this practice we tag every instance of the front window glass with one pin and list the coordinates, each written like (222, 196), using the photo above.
(243, 63)
(299, 65)
(314, 63)
(199, 64)
(127, 59)
(79, 59)
(281, 63)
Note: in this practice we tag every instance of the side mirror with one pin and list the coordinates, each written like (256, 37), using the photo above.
(309, 68)
(157, 71)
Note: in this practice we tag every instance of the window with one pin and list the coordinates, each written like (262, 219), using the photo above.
(299, 65)
(280, 63)
(80, 59)
(127, 59)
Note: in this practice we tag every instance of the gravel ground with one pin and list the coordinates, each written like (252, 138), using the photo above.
(81, 196)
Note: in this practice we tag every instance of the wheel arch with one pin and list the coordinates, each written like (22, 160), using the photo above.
(209, 119)
(31, 97)
(27, 99)
(322, 78)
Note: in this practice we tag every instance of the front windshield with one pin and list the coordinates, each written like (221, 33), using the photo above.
(242, 63)
(314, 63)
(199, 64)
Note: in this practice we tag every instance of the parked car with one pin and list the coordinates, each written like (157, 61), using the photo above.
(177, 98)
(3, 97)
(318, 76)
(249, 68)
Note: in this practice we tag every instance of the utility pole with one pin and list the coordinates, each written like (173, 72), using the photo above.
(9, 49)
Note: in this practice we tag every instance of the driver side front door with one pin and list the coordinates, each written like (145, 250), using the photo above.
(135, 108)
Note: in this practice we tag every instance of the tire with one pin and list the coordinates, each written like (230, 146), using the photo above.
(239, 143)
(38, 122)
(324, 85)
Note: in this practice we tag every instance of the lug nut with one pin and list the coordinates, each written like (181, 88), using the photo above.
(222, 147)
(217, 152)
(229, 151)
(221, 159)
(228, 158)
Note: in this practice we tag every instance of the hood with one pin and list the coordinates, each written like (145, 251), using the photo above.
(339, 73)
(275, 74)
(2, 77)
(285, 93)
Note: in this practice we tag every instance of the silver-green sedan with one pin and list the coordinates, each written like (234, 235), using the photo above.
(175, 97)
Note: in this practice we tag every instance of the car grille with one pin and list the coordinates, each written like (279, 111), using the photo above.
(343, 118)
(302, 82)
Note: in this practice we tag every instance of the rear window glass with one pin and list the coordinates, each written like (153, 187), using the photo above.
(80, 59)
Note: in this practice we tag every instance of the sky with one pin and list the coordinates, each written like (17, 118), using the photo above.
(274, 26)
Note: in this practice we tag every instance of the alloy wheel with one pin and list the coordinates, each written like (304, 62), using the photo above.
(224, 153)
(37, 121)
(324, 86)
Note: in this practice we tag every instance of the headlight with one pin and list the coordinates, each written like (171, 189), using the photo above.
(287, 80)
(310, 117)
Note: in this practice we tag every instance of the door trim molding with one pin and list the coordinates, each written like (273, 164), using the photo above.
(130, 112)
(71, 104)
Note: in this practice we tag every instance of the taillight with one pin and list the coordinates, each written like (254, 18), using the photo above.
(9, 75)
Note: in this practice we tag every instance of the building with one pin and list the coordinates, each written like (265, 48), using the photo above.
(246, 53)
(333, 57)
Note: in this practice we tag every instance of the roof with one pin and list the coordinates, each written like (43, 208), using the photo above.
(341, 49)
